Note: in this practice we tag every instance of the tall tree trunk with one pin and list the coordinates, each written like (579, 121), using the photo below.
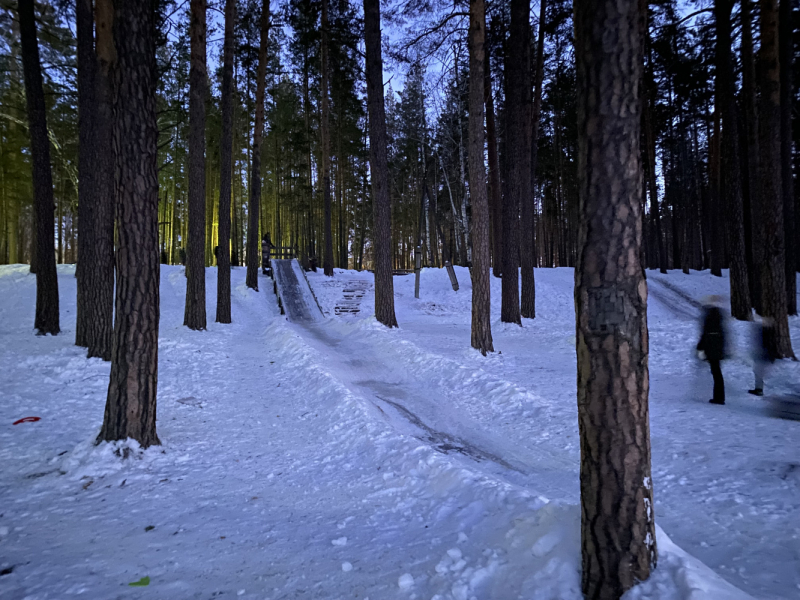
(752, 159)
(730, 184)
(518, 158)
(618, 540)
(481, 288)
(717, 213)
(773, 276)
(657, 252)
(495, 189)
(194, 316)
(324, 129)
(253, 243)
(131, 403)
(47, 315)
(786, 50)
(95, 271)
(379, 167)
(528, 283)
(226, 170)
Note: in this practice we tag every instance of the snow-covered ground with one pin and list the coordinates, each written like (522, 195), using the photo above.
(342, 460)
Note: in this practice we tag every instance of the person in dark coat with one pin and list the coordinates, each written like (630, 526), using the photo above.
(712, 346)
(266, 248)
(765, 351)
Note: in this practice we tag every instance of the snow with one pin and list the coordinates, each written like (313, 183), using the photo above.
(335, 458)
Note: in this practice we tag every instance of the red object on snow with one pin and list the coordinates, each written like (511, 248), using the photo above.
(28, 420)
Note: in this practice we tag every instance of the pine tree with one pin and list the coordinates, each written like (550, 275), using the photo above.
(194, 316)
(617, 525)
(481, 289)
(773, 276)
(324, 128)
(786, 51)
(131, 403)
(730, 184)
(47, 315)
(226, 170)
(518, 157)
(379, 166)
(253, 242)
(95, 271)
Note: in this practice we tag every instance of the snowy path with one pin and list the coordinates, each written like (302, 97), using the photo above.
(727, 481)
(337, 459)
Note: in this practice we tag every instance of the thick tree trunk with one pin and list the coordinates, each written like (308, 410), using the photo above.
(47, 315)
(194, 316)
(730, 184)
(131, 404)
(495, 190)
(773, 276)
(617, 521)
(786, 51)
(95, 271)
(481, 289)
(226, 170)
(324, 129)
(253, 242)
(518, 157)
(379, 167)
(752, 159)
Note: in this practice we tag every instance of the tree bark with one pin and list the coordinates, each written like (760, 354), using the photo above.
(752, 160)
(786, 51)
(253, 242)
(481, 289)
(87, 155)
(324, 128)
(194, 316)
(528, 308)
(131, 403)
(730, 184)
(518, 144)
(773, 276)
(47, 314)
(495, 189)
(94, 327)
(226, 170)
(379, 167)
(617, 522)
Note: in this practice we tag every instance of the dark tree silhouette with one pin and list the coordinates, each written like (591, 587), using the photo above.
(773, 275)
(253, 241)
(194, 316)
(225, 169)
(481, 289)
(47, 316)
(94, 327)
(379, 166)
(730, 184)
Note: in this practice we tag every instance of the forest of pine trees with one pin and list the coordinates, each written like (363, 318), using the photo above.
(496, 135)
(720, 83)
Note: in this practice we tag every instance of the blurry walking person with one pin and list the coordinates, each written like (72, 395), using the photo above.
(765, 351)
(266, 247)
(712, 345)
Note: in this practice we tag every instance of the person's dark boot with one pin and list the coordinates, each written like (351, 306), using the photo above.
(756, 392)
(715, 401)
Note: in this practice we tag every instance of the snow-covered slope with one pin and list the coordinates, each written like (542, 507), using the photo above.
(342, 460)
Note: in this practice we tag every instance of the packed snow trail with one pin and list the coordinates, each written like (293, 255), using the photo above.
(283, 475)
(726, 478)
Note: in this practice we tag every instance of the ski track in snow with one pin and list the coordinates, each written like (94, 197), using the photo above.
(337, 459)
